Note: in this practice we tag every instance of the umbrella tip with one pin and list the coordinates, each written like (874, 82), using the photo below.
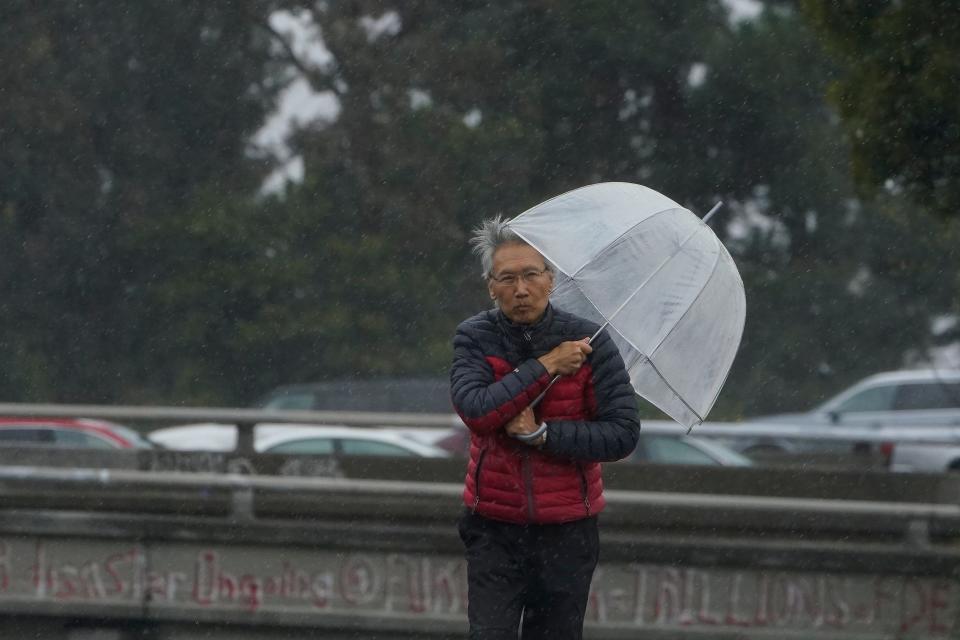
(712, 211)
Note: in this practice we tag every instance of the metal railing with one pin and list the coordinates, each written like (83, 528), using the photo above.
(247, 419)
(241, 497)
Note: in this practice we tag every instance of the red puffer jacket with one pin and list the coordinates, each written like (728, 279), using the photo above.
(591, 417)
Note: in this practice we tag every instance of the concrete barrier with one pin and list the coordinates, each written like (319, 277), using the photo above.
(119, 553)
(814, 481)
(118, 545)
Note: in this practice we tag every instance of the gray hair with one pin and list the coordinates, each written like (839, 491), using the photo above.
(490, 236)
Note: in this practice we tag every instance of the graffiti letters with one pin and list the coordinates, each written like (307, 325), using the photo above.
(251, 580)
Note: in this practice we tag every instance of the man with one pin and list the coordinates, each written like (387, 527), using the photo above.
(533, 487)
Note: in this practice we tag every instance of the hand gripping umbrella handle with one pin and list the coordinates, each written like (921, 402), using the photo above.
(537, 400)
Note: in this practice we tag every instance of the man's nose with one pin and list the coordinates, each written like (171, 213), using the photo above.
(522, 289)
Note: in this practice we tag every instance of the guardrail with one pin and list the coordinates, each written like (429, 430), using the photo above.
(242, 497)
(246, 419)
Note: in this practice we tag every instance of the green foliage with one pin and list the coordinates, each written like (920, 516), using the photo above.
(111, 117)
(580, 92)
(139, 265)
(898, 96)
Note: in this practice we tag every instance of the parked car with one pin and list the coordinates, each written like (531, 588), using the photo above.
(69, 433)
(291, 439)
(416, 395)
(655, 448)
(926, 397)
(347, 441)
(663, 443)
(897, 403)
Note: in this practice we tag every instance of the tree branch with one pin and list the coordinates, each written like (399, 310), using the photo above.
(318, 81)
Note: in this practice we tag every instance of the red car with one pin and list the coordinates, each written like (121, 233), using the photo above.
(76, 433)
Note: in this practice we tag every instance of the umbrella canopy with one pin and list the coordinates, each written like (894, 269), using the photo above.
(631, 257)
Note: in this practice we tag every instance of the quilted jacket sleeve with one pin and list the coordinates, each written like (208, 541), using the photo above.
(484, 403)
(614, 431)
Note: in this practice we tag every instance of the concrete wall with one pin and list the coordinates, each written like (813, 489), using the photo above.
(118, 554)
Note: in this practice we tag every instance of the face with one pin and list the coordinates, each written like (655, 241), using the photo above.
(525, 299)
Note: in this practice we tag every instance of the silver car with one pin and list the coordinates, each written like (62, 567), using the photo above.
(925, 397)
(297, 439)
(903, 406)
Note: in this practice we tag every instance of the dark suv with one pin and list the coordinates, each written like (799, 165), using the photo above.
(392, 395)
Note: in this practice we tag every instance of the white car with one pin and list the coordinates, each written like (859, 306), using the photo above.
(925, 457)
(898, 404)
(296, 439)
(924, 397)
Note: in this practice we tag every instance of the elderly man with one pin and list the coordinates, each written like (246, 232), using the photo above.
(533, 485)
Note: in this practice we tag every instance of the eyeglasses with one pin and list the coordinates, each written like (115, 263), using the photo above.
(529, 276)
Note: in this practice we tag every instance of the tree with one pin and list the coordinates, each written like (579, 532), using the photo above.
(112, 118)
(897, 96)
(139, 264)
(464, 111)
(452, 115)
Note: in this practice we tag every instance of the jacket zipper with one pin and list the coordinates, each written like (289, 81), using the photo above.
(476, 481)
(528, 484)
(525, 460)
(584, 488)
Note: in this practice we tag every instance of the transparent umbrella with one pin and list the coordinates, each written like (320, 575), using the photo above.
(656, 277)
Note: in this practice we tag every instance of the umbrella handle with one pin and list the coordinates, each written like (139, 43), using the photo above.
(534, 403)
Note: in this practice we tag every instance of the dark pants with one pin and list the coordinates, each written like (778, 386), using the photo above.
(541, 572)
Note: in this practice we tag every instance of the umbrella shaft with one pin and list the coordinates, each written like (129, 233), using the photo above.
(537, 400)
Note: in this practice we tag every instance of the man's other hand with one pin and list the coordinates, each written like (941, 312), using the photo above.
(522, 423)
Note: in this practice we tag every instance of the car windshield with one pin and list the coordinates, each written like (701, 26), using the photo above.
(667, 450)
(872, 399)
(312, 446)
(372, 448)
(722, 454)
